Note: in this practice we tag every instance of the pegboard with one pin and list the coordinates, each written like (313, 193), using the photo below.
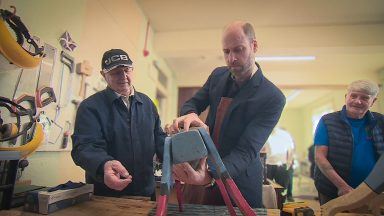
(57, 117)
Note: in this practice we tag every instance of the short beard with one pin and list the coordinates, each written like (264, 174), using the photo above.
(240, 72)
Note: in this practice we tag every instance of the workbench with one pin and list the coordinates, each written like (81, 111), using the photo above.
(108, 206)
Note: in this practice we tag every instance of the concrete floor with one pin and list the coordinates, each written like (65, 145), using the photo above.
(304, 190)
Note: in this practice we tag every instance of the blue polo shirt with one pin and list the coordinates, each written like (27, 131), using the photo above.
(363, 156)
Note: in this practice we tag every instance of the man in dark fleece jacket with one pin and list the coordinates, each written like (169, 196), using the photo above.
(117, 132)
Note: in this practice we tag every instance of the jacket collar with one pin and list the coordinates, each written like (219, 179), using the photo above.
(369, 116)
(255, 80)
(112, 96)
(257, 77)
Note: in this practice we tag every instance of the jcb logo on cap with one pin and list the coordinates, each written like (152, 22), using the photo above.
(115, 58)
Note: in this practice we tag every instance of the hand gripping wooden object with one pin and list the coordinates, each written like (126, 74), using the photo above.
(369, 192)
(190, 146)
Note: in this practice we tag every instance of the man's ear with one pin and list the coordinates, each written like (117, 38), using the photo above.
(373, 101)
(254, 45)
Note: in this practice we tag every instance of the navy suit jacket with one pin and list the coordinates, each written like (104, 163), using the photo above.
(253, 113)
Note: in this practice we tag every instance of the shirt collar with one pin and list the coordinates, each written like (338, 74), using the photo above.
(130, 95)
(112, 96)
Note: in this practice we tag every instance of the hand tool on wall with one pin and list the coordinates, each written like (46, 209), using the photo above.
(44, 91)
(84, 69)
(64, 99)
(29, 100)
(66, 135)
(50, 127)
(190, 146)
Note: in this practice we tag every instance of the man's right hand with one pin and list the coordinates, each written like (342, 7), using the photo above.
(185, 122)
(344, 190)
(116, 176)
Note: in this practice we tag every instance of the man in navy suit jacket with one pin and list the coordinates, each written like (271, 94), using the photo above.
(244, 107)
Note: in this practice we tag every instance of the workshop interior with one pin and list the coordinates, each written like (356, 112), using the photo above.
(50, 54)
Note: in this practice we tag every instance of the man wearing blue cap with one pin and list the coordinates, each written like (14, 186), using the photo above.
(117, 132)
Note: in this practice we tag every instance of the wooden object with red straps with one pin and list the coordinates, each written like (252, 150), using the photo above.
(189, 146)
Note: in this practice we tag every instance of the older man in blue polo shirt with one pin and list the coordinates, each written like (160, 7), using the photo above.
(348, 142)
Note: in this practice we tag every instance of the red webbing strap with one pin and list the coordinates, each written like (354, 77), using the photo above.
(225, 196)
(238, 197)
(161, 209)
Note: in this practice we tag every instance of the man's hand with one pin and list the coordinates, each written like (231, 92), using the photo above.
(185, 173)
(326, 168)
(344, 190)
(116, 176)
(185, 122)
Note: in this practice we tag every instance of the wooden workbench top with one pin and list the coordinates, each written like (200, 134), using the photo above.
(108, 206)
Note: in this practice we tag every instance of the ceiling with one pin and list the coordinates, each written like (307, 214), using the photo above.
(345, 36)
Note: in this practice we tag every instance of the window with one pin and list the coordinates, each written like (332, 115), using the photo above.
(318, 113)
(161, 91)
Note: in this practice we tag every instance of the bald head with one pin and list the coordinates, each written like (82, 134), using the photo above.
(241, 26)
(239, 48)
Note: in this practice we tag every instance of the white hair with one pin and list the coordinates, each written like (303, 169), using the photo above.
(365, 86)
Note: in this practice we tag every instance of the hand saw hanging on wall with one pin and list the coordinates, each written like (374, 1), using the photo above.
(43, 93)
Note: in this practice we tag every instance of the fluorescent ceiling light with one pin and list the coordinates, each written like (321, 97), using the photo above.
(285, 58)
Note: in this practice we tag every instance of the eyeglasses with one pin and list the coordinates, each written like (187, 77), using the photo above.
(127, 69)
(120, 70)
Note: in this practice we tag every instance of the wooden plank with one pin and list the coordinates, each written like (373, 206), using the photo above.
(203, 210)
(353, 214)
(109, 206)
